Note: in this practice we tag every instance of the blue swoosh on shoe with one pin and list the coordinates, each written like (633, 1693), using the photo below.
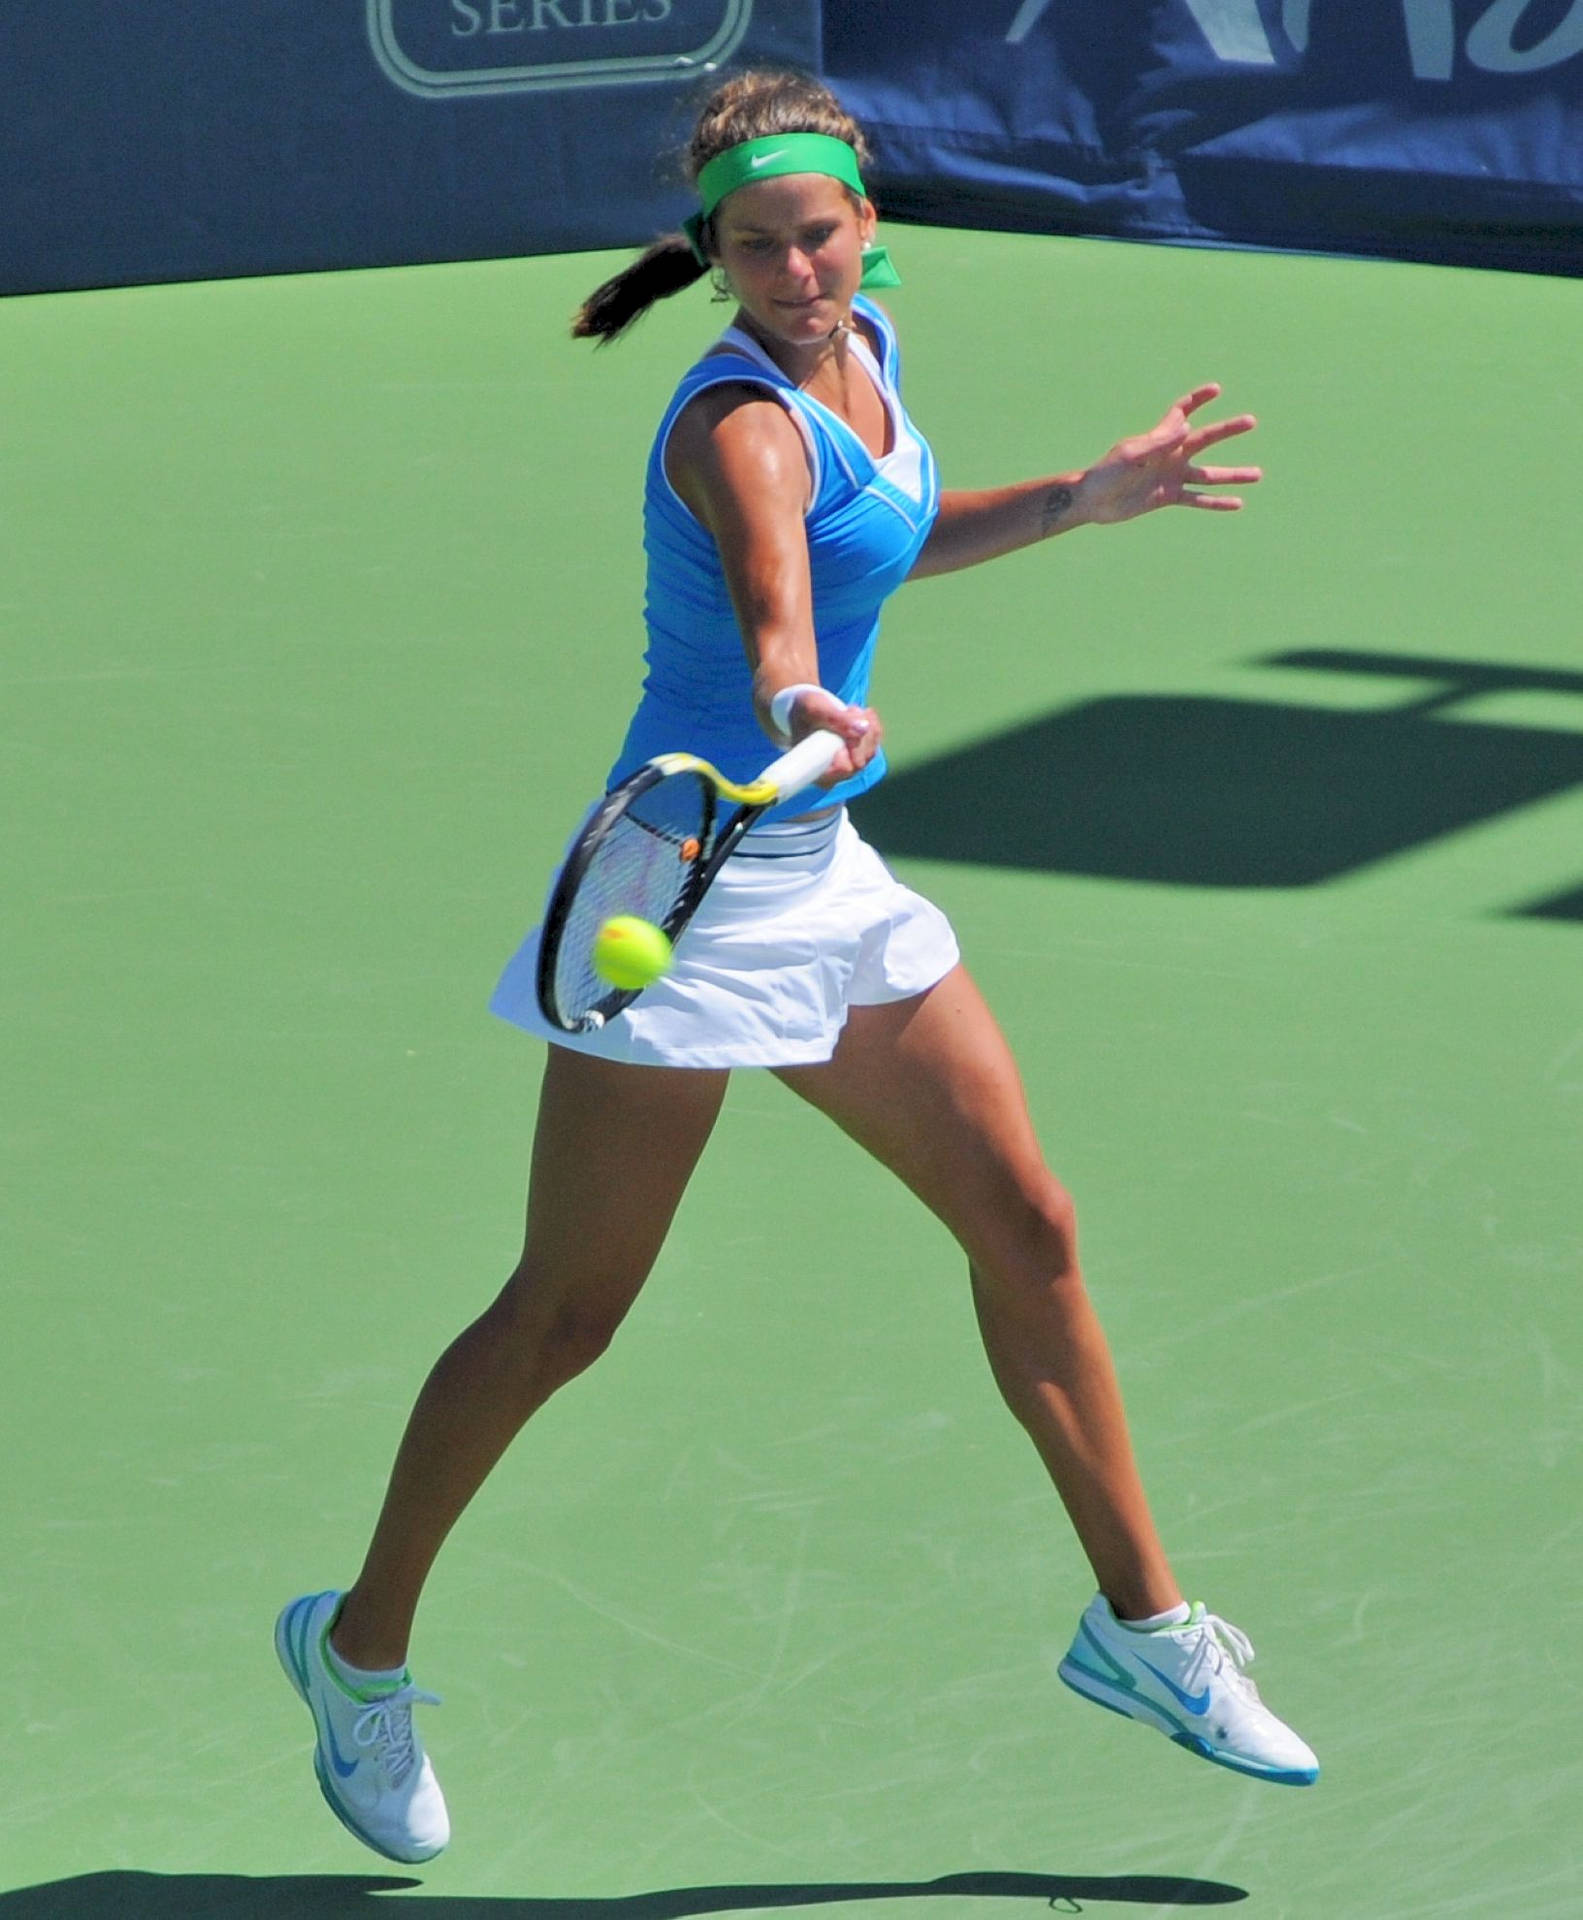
(1194, 1702)
(345, 1768)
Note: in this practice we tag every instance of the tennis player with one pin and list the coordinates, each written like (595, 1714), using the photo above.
(788, 493)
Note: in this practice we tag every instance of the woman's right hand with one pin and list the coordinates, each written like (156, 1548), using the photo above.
(859, 728)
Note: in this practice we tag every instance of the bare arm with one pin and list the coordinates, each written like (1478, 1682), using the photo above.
(1149, 470)
(739, 464)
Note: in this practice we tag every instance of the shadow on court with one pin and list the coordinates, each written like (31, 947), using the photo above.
(1560, 906)
(199, 1896)
(1193, 791)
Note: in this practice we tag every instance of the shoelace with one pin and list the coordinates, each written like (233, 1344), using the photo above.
(1218, 1642)
(385, 1727)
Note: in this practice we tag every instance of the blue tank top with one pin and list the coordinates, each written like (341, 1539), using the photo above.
(866, 525)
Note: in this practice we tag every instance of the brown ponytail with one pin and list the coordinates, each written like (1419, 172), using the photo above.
(749, 106)
(661, 270)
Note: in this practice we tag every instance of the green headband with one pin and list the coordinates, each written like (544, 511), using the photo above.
(770, 157)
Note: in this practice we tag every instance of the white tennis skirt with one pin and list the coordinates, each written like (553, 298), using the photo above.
(802, 923)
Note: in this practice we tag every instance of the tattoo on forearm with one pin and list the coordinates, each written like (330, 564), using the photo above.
(1057, 503)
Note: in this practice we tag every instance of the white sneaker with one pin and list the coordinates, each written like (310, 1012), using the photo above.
(370, 1763)
(1189, 1682)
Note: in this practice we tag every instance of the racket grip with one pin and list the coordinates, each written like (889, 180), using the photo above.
(804, 763)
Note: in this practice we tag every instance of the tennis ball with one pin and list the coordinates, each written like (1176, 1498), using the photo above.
(630, 953)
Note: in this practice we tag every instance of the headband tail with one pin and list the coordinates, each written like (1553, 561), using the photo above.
(877, 269)
(693, 227)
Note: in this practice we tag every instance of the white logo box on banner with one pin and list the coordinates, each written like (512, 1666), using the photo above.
(438, 49)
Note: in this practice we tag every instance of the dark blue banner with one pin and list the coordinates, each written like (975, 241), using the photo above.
(1424, 129)
(189, 140)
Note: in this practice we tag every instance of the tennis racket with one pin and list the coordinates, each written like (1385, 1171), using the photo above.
(651, 848)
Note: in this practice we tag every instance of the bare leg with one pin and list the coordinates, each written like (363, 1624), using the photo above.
(613, 1152)
(929, 1087)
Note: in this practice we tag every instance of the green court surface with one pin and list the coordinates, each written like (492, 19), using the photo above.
(1264, 835)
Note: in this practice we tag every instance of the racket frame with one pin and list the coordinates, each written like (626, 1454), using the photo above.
(799, 767)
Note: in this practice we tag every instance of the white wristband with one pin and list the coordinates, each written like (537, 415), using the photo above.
(783, 702)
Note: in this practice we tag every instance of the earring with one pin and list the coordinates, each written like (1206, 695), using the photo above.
(721, 289)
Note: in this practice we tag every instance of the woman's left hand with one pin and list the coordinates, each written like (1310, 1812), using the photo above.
(1161, 468)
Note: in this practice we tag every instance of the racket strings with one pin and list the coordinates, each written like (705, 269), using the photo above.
(645, 863)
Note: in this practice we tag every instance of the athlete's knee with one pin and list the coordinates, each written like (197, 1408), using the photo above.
(1043, 1217)
(551, 1333)
(1032, 1246)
